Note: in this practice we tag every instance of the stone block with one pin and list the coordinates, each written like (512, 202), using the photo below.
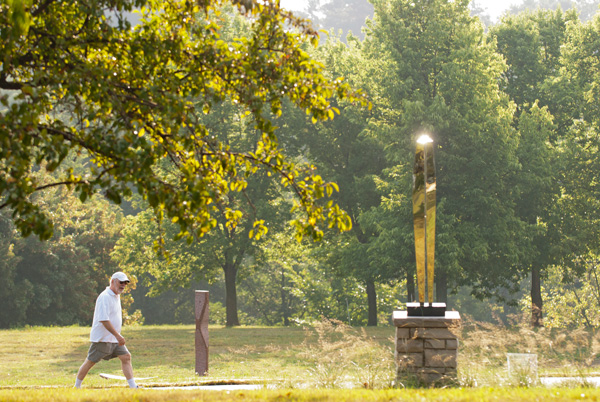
(432, 333)
(404, 360)
(409, 345)
(451, 343)
(440, 358)
(407, 370)
(435, 344)
(402, 333)
(427, 379)
(428, 370)
(430, 378)
(438, 379)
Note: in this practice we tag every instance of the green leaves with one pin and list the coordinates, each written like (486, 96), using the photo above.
(259, 230)
(15, 12)
(436, 73)
(126, 97)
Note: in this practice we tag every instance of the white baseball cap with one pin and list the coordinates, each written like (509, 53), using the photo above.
(120, 276)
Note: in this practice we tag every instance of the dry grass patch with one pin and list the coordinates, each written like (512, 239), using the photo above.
(346, 357)
(484, 347)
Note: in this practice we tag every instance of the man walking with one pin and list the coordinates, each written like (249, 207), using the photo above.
(107, 342)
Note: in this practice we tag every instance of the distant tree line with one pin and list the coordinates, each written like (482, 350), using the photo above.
(513, 113)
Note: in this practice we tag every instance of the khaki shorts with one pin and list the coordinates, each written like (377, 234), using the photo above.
(106, 351)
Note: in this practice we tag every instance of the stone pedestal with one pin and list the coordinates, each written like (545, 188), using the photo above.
(426, 347)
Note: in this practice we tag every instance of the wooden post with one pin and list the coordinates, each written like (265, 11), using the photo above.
(201, 332)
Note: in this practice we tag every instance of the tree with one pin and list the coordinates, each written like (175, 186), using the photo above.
(76, 77)
(477, 10)
(537, 192)
(345, 151)
(277, 281)
(442, 77)
(586, 8)
(56, 282)
(573, 302)
(579, 74)
(226, 246)
(224, 249)
(182, 265)
(11, 295)
(577, 210)
(556, 190)
(345, 16)
(531, 44)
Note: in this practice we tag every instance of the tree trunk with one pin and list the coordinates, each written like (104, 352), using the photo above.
(284, 307)
(410, 287)
(536, 297)
(372, 301)
(231, 296)
(371, 292)
(441, 286)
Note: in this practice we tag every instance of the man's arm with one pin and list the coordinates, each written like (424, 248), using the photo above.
(109, 327)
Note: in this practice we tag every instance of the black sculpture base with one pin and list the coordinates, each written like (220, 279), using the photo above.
(426, 309)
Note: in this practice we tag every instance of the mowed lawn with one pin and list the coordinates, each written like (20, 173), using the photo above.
(51, 356)
(40, 363)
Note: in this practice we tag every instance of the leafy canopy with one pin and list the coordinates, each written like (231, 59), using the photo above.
(440, 76)
(76, 77)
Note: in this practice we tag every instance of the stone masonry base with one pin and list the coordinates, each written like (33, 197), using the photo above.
(426, 348)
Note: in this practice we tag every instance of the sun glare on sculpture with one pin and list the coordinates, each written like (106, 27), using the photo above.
(424, 139)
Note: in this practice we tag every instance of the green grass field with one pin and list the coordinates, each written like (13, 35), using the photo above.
(42, 356)
(343, 395)
(322, 364)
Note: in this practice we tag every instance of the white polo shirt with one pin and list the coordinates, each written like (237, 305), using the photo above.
(108, 308)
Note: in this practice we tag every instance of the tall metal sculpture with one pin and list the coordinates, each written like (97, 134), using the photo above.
(424, 208)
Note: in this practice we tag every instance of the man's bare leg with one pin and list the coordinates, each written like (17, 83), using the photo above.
(83, 370)
(127, 369)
